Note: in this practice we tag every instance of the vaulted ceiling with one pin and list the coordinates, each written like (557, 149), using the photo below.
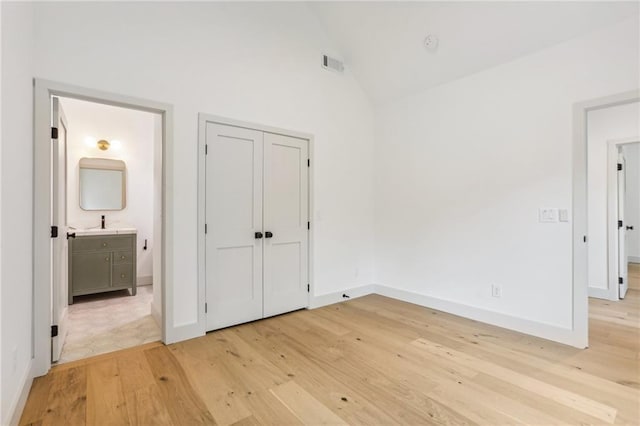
(382, 42)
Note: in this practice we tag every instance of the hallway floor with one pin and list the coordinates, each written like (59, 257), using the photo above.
(109, 322)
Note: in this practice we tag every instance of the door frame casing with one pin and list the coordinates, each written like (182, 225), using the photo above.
(613, 146)
(579, 336)
(43, 90)
(203, 119)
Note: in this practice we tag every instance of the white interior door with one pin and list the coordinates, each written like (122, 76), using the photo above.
(285, 224)
(623, 266)
(60, 281)
(233, 216)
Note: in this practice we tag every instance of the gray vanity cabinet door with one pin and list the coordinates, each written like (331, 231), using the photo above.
(122, 275)
(91, 271)
(102, 263)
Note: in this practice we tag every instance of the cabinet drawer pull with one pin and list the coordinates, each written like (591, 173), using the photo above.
(122, 275)
(106, 259)
(104, 244)
(122, 257)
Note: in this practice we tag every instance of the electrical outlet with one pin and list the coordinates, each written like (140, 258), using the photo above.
(496, 291)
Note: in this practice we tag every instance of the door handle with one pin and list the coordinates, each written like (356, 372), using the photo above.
(71, 235)
(268, 234)
(258, 235)
(629, 228)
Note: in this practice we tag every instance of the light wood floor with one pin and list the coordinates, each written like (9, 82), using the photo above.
(634, 276)
(368, 361)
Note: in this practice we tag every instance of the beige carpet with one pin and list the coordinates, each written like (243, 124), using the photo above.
(108, 322)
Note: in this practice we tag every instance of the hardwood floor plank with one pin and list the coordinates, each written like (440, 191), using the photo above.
(267, 409)
(106, 403)
(405, 400)
(343, 396)
(67, 401)
(626, 403)
(304, 406)
(247, 421)
(224, 400)
(537, 401)
(38, 400)
(501, 410)
(593, 408)
(101, 357)
(145, 407)
(134, 371)
(181, 401)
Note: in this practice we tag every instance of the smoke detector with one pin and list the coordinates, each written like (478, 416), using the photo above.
(431, 42)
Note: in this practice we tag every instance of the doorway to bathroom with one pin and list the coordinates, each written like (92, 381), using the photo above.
(101, 189)
(106, 177)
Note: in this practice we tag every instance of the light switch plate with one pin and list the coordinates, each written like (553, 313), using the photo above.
(547, 215)
(563, 215)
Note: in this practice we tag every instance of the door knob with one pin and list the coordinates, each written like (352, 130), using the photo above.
(629, 228)
(268, 234)
(258, 235)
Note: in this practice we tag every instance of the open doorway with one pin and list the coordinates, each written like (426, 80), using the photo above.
(613, 209)
(51, 300)
(612, 185)
(624, 206)
(589, 225)
(107, 183)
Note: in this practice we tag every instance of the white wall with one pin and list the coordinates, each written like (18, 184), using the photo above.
(253, 62)
(603, 126)
(632, 205)
(1, 138)
(17, 183)
(462, 169)
(134, 130)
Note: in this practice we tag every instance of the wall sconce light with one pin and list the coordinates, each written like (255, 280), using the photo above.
(103, 145)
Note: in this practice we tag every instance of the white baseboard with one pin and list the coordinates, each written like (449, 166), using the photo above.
(331, 298)
(156, 314)
(144, 280)
(546, 331)
(633, 259)
(17, 405)
(181, 332)
(600, 293)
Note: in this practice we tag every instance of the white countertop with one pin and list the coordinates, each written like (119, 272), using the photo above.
(107, 231)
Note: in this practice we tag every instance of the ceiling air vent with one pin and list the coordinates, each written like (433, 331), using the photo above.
(332, 64)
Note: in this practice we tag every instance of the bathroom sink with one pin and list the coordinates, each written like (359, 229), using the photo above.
(99, 231)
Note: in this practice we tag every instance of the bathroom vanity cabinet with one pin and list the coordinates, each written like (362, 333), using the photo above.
(101, 263)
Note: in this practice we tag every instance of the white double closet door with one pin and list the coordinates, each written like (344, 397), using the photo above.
(257, 233)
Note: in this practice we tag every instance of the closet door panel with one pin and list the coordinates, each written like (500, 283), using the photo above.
(285, 216)
(233, 215)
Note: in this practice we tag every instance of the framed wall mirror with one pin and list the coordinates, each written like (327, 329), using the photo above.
(103, 184)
